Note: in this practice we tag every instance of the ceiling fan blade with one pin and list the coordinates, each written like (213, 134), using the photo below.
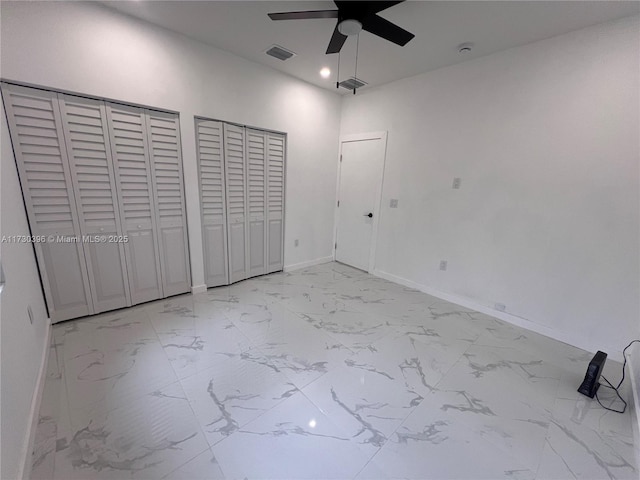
(380, 6)
(387, 30)
(336, 42)
(359, 9)
(304, 15)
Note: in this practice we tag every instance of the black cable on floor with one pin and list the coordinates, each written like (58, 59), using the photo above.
(617, 393)
(616, 389)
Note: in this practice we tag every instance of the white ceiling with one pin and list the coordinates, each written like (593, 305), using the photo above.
(243, 28)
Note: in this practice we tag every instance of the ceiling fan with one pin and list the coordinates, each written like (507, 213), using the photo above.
(352, 18)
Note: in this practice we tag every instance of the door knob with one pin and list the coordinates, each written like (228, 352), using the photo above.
(370, 215)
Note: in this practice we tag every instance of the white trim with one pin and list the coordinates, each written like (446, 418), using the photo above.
(633, 361)
(34, 413)
(571, 339)
(357, 137)
(198, 288)
(310, 263)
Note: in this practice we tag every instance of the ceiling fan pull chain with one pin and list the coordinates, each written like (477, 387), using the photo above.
(338, 73)
(355, 74)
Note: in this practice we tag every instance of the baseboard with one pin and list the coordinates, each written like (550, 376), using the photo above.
(564, 337)
(633, 367)
(310, 263)
(199, 288)
(36, 400)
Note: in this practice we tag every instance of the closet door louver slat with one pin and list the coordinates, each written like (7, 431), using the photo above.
(163, 135)
(86, 136)
(275, 201)
(210, 153)
(127, 132)
(35, 125)
(256, 170)
(236, 182)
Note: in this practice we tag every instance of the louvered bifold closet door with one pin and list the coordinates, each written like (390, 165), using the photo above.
(236, 185)
(127, 132)
(210, 152)
(256, 195)
(275, 201)
(163, 134)
(37, 137)
(87, 140)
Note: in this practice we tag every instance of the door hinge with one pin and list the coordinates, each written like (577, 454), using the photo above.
(335, 246)
(340, 157)
(338, 202)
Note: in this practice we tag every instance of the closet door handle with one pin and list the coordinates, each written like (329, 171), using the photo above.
(370, 215)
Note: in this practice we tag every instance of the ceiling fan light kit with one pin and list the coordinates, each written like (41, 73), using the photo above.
(349, 27)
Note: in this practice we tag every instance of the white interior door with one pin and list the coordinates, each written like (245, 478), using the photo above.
(127, 131)
(361, 167)
(212, 201)
(275, 201)
(236, 172)
(163, 136)
(256, 160)
(35, 125)
(86, 135)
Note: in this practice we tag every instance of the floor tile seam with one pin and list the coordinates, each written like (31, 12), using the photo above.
(340, 428)
(321, 330)
(366, 465)
(498, 446)
(55, 437)
(183, 464)
(163, 351)
(238, 431)
(388, 438)
(196, 422)
(538, 405)
(501, 448)
(331, 336)
(67, 406)
(299, 390)
(130, 397)
(555, 418)
(458, 360)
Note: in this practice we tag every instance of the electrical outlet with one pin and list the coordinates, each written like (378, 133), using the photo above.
(443, 265)
(500, 307)
(296, 242)
(456, 182)
(393, 203)
(30, 313)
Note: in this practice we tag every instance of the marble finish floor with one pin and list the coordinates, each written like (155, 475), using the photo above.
(322, 373)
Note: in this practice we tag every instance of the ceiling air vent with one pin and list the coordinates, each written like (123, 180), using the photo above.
(279, 52)
(352, 83)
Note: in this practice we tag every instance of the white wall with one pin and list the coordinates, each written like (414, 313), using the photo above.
(22, 345)
(633, 372)
(545, 138)
(88, 48)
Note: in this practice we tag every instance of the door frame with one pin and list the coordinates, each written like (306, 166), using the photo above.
(377, 208)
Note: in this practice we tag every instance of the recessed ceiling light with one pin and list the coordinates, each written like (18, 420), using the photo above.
(325, 72)
(465, 47)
